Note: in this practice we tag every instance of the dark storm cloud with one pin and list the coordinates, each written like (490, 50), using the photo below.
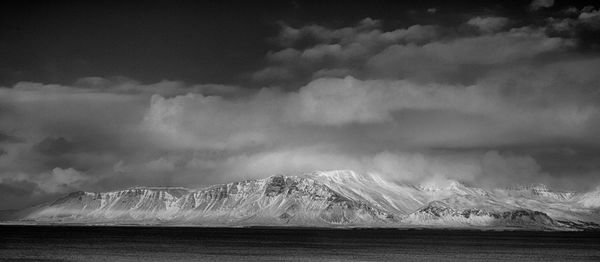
(476, 94)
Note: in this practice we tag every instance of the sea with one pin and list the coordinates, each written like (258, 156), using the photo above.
(136, 243)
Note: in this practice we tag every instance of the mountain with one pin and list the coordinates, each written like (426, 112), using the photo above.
(328, 199)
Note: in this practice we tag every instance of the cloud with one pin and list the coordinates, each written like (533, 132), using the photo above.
(539, 4)
(198, 121)
(122, 85)
(590, 17)
(61, 180)
(57, 180)
(7, 138)
(444, 60)
(418, 104)
(489, 168)
(482, 168)
(69, 137)
(421, 52)
(488, 24)
(576, 23)
(337, 102)
(345, 101)
(311, 50)
(274, 74)
(288, 161)
(104, 139)
(53, 146)
(485, 113)
(289, 36)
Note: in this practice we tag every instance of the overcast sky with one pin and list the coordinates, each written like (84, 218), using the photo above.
(106, 96)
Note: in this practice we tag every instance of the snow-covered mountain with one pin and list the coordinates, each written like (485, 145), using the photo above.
(328, 199)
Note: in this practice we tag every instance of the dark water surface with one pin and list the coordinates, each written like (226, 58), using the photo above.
(87, 243)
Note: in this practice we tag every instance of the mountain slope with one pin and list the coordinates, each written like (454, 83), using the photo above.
(335, 198)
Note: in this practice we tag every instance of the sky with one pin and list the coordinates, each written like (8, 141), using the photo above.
(105, 96)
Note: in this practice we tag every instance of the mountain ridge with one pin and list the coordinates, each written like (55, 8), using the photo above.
(340, 198)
